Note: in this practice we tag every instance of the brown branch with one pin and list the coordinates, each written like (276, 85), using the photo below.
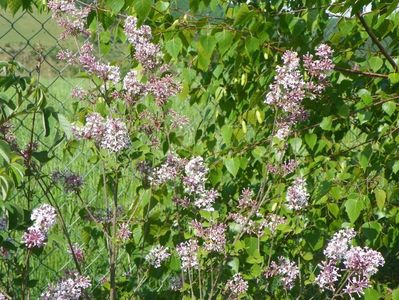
(377, 42)
(357, 72)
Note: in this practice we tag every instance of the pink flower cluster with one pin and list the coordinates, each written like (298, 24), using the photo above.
(169, 170)
(290, 87)
(188, 252)
(214, 236)
(286, 270)
(236, 286)
(69, 16)
(70, 288)
(245, 201)
(283, 169)
(77, 250)
(157, 255)
(148, 55)
(146, 52)
(87, 60)
(110, 133)
(297, 195)
(360, 263)
(124, 232)
(70, 181)
(44, 218)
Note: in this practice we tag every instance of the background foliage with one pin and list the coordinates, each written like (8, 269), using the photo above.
(225, 54)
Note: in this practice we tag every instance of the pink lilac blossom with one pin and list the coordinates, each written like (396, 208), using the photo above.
(175, 283)
(177, 120)
(70, 181)
(297, 195)
(79, 93)
(338, 246)
(284, 169)
(110, 133)
(169, 170)
(318, 68)
(146, 52)
(69, 16)
(2, 297)
(205, 199)
(286, 270)
(246, 225)
(67, 289)
(124, 232)
(188, 252)
(328, 275)
(196, 172)
(77, 250)
(93, 130)
(132, 85)
(245, 201)
(86, 59)
(290, 88)
(116, 135)
(363, 261)
(271, 222)
(157, 255)
(214, 236)
(33, 237)
(162, 88)
(44, 217)
(356, 285)
(236, 286)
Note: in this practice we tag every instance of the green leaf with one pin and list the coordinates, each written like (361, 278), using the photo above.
(14, 5)
(395, 167)
(46, 124)
(5, 151)
(353, 208)
(389, 107)
(232, 165)
(380, 197)
(393, 78)
(395, 294)
(227, 132)
(65, 125)
(224, 40)
(375, 63)
(296, 144)
(174, 47)
(115, 5)
(242, 15)
(142, 8)
(205, 47)
(311, 140)
(371, 294)
(326, 123)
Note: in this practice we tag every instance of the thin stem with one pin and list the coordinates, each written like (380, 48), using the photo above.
(113, 247)
(53, 202)
(377, 42)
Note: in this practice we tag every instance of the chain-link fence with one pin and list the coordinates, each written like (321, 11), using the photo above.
(31, 39)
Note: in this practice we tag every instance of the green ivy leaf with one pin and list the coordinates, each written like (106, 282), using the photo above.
(5, 151)
(326, 123)
(353, 208)
(232, 165)
(380, 197)
(142, 8)
(389, 107)
(311, 139)
(174, 46)
(115, 5)
(375, 63)
(393, 78)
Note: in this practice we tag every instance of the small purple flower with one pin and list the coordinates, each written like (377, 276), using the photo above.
(33, 237)
(236, 286)
(188, 252)
(297, 195)
(286, 270)
(124, 232)
(157, 255)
